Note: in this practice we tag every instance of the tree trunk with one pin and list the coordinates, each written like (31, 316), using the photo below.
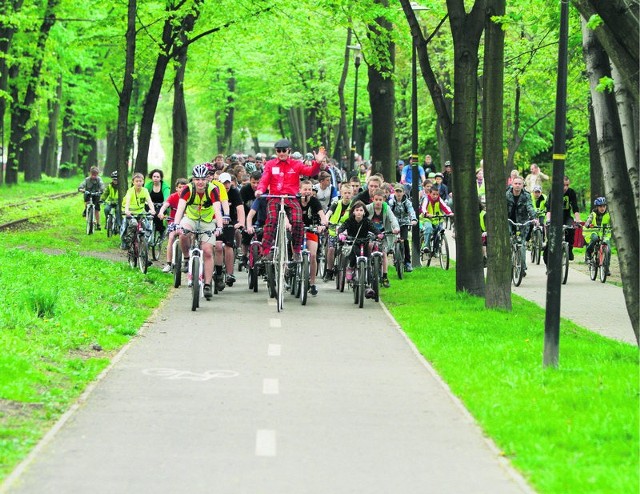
(342, 137)
(110, 162)
(617, 184)
(595, 167)
(498, 288)
(125, 100)
(180, 123)
(31, 155)
(49, 163)
(227, 146)
(466, 30)
(619, 35)
(626, 110)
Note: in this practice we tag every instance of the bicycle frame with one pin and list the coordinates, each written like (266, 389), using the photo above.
(517, 256)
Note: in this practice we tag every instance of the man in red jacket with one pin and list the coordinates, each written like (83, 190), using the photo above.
(281, 176)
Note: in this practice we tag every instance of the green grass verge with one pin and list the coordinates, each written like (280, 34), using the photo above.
(570, 429)
(63, 317)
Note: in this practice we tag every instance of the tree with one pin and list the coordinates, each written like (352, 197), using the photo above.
(498, 289)
(616, 179)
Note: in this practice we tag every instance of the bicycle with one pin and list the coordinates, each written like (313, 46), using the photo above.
(277, 264)
(517, 272)
(341, 260)
(536, 244)
(398, 255)
(600, 257)
(138, 252)
(359, 281)
(375, 267)
(301, 271)
(90, 211)
(321, 255)
(565, 254)
(156, 238)
(112, 224)
(195, 271)
(255, 266)
(438, 246)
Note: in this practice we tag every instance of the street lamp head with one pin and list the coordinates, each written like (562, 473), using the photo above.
(357, 53)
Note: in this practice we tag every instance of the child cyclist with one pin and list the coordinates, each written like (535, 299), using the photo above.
(403, 210)
(433, 208)
(358, 227)
(93, 183)
(110, 198)
(312, 214)
(133, 204)
(385, 222)
(338, 213)
(172, 204)
(598, 218)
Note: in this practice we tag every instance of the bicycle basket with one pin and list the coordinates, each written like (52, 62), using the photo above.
(347, 249)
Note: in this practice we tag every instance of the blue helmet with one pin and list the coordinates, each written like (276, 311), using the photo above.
(600, 201)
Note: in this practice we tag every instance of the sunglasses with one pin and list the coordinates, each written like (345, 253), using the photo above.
(281, 150)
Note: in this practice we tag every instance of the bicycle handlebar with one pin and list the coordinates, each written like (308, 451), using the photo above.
(520, 224)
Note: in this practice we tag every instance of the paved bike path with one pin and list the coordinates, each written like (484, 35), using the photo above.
(238, 398)
(598, 307)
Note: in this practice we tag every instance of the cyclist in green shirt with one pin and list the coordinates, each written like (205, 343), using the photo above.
(598, 218)
(133, 204)
(110, 198)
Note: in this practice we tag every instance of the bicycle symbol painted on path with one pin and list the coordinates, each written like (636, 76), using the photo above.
(175, 374)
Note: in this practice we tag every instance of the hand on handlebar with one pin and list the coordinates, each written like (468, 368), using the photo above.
(342, 237)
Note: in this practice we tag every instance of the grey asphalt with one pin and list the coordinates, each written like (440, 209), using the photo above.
(238, 398)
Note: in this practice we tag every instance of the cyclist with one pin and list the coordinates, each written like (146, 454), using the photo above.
(110, 198)
(569, 206)
(159, 191)
(383, 220)
(248, 195)
(312, 214)
(200, 201)
(325, 192)
(366, 196)
(282, 177)
(406, 179)
(236, 222)
(598, 218)
(172, 204)
(519, 210)
(483, 228)
(358, 227)
(432, 207)
(92, 183)
(403, 210)
(133, 204)
(338, 214)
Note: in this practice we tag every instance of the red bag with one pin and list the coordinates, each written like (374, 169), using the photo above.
(578, 240)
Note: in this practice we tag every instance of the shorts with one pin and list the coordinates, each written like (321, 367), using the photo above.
(311, 237)
(229, 236)
(190, 225)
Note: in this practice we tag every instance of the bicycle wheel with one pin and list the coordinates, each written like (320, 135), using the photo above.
(443, 252)
(321, 257)
(516, 265)
(195, 283)
(271, 279)
(604, 259)
(177, 263)
(398, 259)
(305, 273)
(132, 254)
(281, 256)
(362, 278)
(90, 218)
(536, 246)
(156, 245)
(592, 262)
(280, 288)
(294, 279)
(143, 254)
(565, 262)
(376, 276)
(109, 225)
(254, 256)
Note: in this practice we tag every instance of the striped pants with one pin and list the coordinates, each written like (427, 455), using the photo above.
(294, 213)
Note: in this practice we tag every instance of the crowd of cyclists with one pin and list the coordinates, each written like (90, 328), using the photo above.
(230, 197)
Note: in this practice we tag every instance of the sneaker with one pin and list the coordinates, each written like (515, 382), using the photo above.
(98, 227)
(571, 255)
(244, 261)
(328, 275)
(207, 291)
(230, 280)
(408, 267)
(385, 282)
(219, 281)
(185, 266)
(349, 274)
(84, 213)
(524, 273)
(167, 268)
(369, 293)
(426, 250)
(313, 290)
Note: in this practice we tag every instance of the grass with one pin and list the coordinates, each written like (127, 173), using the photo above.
(570, 429)
(66, 316)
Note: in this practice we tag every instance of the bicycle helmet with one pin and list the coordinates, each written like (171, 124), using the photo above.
(200, 171)
(297, 155)
(234, 158)
(600, 201)
(114, 175)
(308, 157)
(282, 143)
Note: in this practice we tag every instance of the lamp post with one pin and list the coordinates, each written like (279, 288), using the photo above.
(415, 175)
(354, 128)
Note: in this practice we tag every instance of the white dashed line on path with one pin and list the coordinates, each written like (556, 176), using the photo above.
(270, 386)
(265, 442)
(274, 350)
